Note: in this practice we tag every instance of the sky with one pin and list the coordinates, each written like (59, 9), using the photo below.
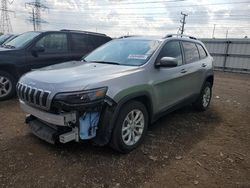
(139, 17)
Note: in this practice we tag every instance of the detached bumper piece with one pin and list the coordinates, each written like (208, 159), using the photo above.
(43, 131)
(51, 133)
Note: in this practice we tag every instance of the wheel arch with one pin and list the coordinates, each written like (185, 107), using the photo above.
(11, 69)
(209, 79)
(143, 97)
(111, 114)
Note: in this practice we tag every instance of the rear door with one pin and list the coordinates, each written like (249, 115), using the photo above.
(203, 63)
(80, 45)
(193, 69)
(56, 50)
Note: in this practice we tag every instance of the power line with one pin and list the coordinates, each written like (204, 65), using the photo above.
(36, 19)
(151, 14)
(129, 26)
(5, 24)
(161, 7)
(146, 2)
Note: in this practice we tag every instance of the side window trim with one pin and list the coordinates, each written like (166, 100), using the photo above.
(68, 43)
(196, 45)
(183, 54)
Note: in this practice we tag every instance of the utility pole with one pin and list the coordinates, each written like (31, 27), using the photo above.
(5, 24)
(36, 19)
(213, 31)
(183, 22)
(227, 33)
(33, 20)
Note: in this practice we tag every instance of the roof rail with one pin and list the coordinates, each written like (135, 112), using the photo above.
(180, 35)
(127, 36)
(87, 32)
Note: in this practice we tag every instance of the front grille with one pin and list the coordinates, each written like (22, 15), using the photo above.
(34, 96)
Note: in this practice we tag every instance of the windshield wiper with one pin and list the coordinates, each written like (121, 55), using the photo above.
(107, 62)
(8, 46)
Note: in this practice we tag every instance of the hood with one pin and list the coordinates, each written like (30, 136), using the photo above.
(74, 75)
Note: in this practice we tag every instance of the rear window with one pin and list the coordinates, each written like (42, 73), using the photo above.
(98, 40)
(202, 52)
(81, 43)
(191, 52)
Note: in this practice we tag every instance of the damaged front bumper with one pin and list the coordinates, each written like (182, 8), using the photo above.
(64, 119)
(51, 127)
(72, 125)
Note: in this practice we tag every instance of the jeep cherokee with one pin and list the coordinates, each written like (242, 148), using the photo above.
(114, 93)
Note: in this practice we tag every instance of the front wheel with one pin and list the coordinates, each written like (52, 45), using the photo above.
(130, 128)
(7, 86)
(204, 99)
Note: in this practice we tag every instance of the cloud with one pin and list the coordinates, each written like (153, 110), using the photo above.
(120, 17)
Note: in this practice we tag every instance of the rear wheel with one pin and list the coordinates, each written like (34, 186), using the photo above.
(130, 128)
(7, 86)
(204, 99)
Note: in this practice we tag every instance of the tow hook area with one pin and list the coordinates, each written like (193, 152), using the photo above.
(88, 124)
(52, 133)
(70, 136)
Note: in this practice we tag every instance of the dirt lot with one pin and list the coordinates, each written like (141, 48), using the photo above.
(183, 149)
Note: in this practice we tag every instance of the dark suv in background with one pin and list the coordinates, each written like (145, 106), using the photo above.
(33, 50)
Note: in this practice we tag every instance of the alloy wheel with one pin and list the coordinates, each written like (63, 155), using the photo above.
(132, 127)
(5, 86)
(206, 97)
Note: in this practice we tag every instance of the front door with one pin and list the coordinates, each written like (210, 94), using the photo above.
(52, 49)
(170, 83)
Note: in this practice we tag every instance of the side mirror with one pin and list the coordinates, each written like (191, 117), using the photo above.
(167, 62)
(36, 50)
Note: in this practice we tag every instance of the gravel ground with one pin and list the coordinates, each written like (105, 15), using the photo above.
(183, 149)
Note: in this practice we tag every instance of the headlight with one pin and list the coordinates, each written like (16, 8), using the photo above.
(82, 96)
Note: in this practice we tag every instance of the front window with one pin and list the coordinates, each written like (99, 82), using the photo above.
(124, 52)
(54, 43)
(21, 40)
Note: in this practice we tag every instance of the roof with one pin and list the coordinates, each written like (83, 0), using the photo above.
(160, 38)
(76, 31)
(138, 37)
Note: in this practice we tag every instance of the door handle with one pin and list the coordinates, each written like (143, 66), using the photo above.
(204, 65)
(183, 71)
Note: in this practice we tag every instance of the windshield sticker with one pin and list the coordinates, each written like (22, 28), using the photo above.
(137, 56)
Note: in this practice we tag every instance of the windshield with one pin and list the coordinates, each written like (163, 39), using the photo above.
(124, 52)
(22, 40)
(10, 38)
(3, 38)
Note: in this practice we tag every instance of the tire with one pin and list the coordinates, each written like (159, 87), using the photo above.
(7, 86)
(135, 131)
(204, 98)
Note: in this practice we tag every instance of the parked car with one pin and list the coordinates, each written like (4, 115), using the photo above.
(114, 93)
(33, 50)
(4, 38)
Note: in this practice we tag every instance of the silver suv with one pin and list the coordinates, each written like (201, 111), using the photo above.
(115, 92)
